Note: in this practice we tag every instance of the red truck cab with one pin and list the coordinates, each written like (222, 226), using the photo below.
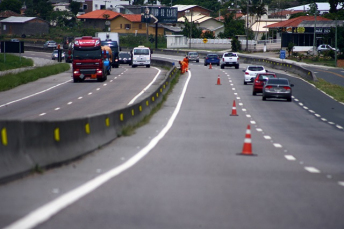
(88, 59)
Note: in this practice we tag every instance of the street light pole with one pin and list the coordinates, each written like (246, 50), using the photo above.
(315, 28)
(335, 51)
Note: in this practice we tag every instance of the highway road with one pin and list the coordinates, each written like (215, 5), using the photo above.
(184, 168)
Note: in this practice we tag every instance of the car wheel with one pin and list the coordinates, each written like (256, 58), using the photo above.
(222, 66)
(148, 66)
(237, 66)
(263, 98)
(289, 99)
(254, 93)
(245, 83)
(197, 61)
(218, 64)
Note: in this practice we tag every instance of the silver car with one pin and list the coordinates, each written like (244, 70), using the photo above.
(50, 44)
(193, 56)
(54, 55)
(277, 88)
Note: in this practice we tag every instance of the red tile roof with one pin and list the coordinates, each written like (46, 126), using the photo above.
(98, 14)
(132, 17)
(8, 13)
(295, 22)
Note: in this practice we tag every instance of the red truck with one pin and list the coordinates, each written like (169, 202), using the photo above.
(88, 59)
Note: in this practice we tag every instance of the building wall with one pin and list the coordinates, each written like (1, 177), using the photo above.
(119, 25)
(33, 27)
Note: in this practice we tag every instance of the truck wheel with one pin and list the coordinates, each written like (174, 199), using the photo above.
(222, 66)
(75, 80)
(148, 66)
(237, 66)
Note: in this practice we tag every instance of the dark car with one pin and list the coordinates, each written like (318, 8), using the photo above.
(124, 58)
(277, 88)
(211, 58)
(260, 80)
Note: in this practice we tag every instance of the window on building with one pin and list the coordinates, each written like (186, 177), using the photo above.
(4, 27)
(121, 26)
(102, 7)
(140, 26)
(85, 7)
(127, 26)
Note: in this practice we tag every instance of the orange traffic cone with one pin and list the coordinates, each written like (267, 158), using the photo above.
(234, 112)
(247, 147)
(210, 67)
(218, 80)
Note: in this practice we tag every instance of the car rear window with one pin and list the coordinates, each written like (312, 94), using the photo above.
(124, 55)
(266, 76)
(212, 56)
(230, 54)
(279, 81)
(256, 68)
(193, 53)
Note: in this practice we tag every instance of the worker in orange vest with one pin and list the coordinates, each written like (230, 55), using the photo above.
(186, 60)
(182, 66)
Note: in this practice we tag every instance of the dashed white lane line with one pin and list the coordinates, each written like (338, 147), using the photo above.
(80, 97)
(57, 108)
(277, 145)
(253, 122)
(69, 103)
(267, 137)
(312, 170)
(90, 93)
(259, 130)
(341, 183)
(290, 157)
(48, 210)
(42, 114)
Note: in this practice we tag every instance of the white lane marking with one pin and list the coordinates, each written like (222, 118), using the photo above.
(90, 93)
(277, 145)
(341, 183)
(144, 89)
(241, 104)
(46, 211)
(290, 157)
(233, 89)
(69, 103)
(57, 108)
(267, 137)
(29, 96)
(42, 114)
(339, 127)
(248, 116)
(312, 170)
(238, 97)
(253, 122)
(80, 97)
(259, 130)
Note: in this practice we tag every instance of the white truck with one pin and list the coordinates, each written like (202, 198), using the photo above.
(111, 40)
(141, 56)
(229, 59)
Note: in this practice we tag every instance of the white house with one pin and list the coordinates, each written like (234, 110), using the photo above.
(323, 7)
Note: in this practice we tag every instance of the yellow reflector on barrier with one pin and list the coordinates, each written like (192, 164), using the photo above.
(87, 128)
(107, 122)
(57, 134)
(153, 98)
(4, 136)
(121, 117)
(140, 108)
(147, 103)
(132, 112)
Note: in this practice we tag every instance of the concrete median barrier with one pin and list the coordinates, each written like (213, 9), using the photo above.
(26, 145)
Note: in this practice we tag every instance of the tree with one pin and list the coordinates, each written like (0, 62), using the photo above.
(13, 5)
(74, 7)
(38, 8)
(313, 9)
(196, 32)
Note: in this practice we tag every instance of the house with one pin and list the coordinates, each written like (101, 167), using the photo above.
(291, 31)
(8, 13)
(204, 22)
(24, 25)
(184, 10)
(119, 23)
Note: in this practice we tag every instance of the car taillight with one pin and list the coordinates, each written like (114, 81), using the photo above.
(287, 88)
(238, 58)
(268, 87)
(223, 59)
(246, 73)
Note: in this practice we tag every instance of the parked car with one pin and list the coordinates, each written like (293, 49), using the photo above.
(251, 71)
(54, 55)
(212, 58)
(193, 56)
(277, 88)
(260, 80)
(325, 47)
(229, 59)
(50, 44)
(124, 58)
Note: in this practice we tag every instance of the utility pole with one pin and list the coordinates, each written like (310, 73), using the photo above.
(247, 25)
(335, 51)
(315, 28)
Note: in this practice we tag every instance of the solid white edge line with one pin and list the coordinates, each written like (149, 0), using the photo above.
(46, 211)
(138, 95)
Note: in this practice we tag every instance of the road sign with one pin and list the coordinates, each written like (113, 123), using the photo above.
(205, 40)
(282, 54)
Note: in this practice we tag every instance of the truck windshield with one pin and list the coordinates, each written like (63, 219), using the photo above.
(87, 54)
(141, 51)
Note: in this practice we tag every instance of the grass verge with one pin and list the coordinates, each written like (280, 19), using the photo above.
(10, 81)
(130, 130)
(334, 90)
(10, 61)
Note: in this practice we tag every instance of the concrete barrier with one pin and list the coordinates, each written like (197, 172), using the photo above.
(25, 145)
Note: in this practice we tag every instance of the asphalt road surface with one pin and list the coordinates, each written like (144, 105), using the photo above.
(182, 170)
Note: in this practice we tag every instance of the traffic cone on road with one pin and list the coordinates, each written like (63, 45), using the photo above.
(234, 112)
(210, 66)
(247, 147)
(218, 80)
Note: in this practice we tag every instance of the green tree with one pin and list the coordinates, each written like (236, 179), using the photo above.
(232, 26)
(13, 5)
(38, 8)
(313, 9)
(74, 7)
(138, 2)
(236, 45)
(196, 32)
(298, 15)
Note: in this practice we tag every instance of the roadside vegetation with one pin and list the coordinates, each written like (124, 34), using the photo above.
(334, 90)
(9, 61)
(10, 81)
